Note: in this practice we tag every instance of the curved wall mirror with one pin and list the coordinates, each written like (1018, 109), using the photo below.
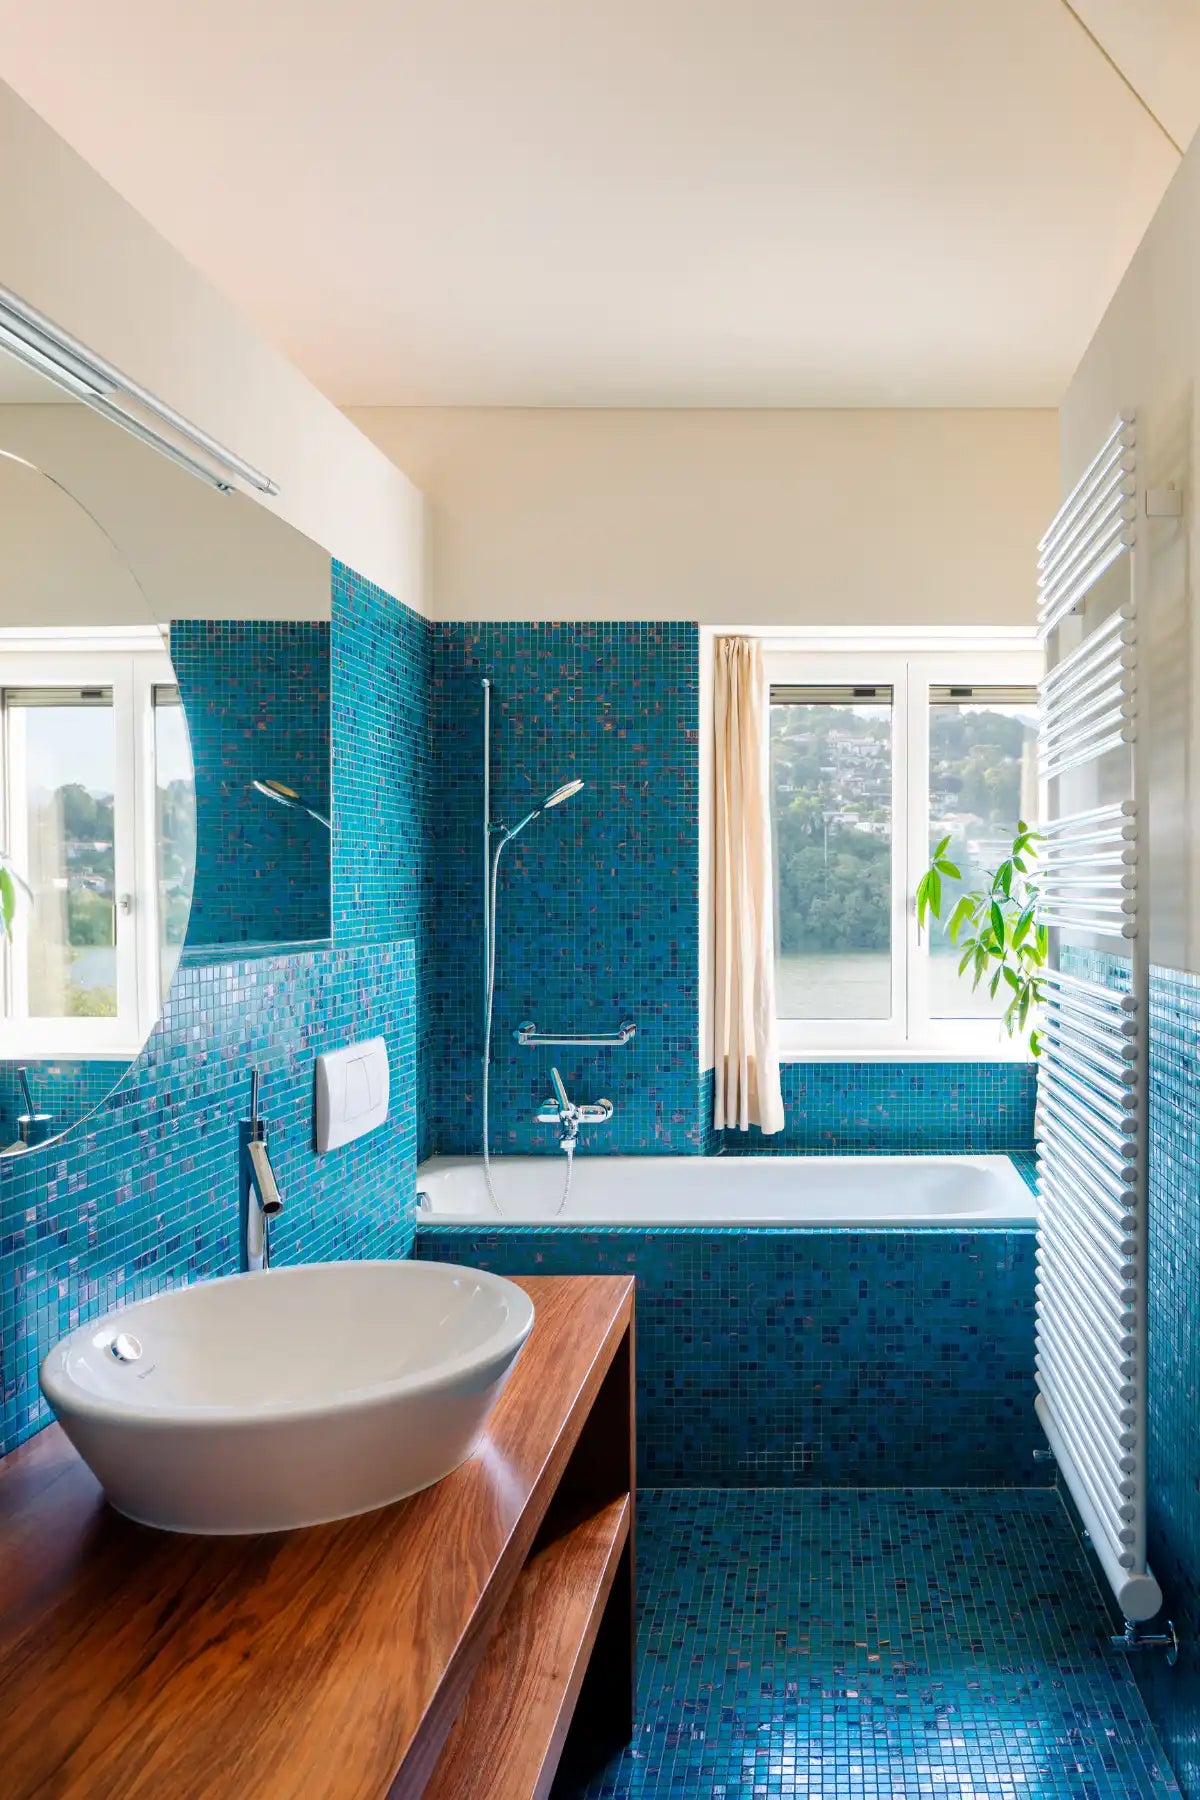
(164, 744)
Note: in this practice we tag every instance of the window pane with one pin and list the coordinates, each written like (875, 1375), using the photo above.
(982, 779)
(831, 798)
(67, 798)
(175, 816)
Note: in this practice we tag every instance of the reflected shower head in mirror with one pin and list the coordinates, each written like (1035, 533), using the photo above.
(555, 799)
(284, 795)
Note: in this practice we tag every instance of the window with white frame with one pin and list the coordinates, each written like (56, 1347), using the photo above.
(877, 753)
(98, 822)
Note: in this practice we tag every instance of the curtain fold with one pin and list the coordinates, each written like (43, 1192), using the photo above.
(745, 1048)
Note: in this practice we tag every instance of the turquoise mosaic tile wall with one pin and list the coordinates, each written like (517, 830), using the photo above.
(144, 1195)
(1173, 1293)
(937, 1107)
(598, 899)
(382, 773)
(810, 1358)
(383, 787)
(256, 694)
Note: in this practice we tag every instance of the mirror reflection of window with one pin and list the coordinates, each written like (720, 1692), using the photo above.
(99, 822)
(175, 828)
(62, 747)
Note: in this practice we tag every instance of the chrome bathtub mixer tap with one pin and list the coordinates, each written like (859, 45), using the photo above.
(561, 1110)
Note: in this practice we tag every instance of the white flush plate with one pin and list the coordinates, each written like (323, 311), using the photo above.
(352, 1092)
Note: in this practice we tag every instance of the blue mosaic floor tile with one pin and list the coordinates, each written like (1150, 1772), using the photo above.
(874, 1644)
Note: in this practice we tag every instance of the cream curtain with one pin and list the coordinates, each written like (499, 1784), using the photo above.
(745, 1052)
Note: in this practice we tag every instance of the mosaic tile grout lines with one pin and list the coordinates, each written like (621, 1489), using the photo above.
(256, 693)
(859, 1645)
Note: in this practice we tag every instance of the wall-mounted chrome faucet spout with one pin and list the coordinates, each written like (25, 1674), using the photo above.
(568, 1114)
(259, 1198)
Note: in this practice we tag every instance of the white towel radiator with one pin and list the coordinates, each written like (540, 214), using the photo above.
(1091, 1122)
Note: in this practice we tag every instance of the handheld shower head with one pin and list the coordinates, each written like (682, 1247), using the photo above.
(555, 799)
(284, 795)
(561, 793)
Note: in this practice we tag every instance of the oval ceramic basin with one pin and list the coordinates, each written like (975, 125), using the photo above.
(289, 1397)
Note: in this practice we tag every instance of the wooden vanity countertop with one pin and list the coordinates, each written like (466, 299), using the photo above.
(329, 1662)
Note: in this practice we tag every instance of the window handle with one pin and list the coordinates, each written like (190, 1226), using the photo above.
(125, 902)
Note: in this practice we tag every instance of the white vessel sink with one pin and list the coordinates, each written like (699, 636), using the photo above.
(266, 1401)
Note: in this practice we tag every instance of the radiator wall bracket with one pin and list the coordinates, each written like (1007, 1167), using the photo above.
(1134, 1638)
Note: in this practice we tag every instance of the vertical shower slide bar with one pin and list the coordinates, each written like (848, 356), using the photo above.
(487, 829)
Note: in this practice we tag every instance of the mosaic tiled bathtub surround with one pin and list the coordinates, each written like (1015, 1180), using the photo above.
(951, 1108)
(781, 1358)
(874, 1646)
(256, 693)
(144, 1196)
(598, 901)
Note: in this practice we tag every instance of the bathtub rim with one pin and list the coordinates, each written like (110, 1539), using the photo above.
(1008, 1221)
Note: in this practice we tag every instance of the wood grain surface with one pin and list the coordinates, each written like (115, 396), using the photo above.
(324, 1664)
(506, 1741)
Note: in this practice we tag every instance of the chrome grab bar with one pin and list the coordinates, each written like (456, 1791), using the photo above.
(528, 1033)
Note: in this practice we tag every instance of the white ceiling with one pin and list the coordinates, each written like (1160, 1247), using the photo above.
(642, 202)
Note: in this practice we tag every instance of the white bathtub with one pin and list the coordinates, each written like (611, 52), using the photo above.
(868, 1192)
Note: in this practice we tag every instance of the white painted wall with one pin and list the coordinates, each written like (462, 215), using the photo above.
(72, 247)
(196, 554)
(762, 517)
(1146, 357)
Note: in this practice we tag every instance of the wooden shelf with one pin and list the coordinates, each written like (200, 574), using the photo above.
(338, 1660)
(508, 1737)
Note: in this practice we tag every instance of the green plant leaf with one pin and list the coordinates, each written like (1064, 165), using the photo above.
(1013, 979)
(994, 983)
(967, 954)
(997, 922)
(8, 901)
(958, 918)
(1035, 1043)
(1022, 928)
(941, 849)
(945, 867)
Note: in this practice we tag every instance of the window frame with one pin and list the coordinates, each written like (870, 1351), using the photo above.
(132, 662)
(913, 664)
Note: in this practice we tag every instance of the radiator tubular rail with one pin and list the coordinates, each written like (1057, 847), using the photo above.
(1092, 1079)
